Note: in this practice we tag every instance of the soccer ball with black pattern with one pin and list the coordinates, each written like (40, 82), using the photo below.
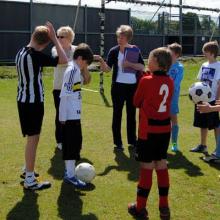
(200, 92)
(85, 172)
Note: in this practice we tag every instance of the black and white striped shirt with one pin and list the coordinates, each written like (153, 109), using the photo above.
(29, 64)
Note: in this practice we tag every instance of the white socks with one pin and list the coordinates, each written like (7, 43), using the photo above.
(70, 168)
(29, 177)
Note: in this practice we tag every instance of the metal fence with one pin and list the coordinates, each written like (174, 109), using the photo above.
(20, 18)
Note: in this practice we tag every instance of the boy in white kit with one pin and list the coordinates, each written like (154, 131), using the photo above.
(210, 74)
(70, 112)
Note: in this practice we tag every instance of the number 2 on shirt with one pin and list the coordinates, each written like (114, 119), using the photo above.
(164, 90)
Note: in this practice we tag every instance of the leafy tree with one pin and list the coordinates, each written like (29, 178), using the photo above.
(189, 21)
(207, 23)
(143, 26)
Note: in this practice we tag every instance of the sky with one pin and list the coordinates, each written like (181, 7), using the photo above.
(138, 10)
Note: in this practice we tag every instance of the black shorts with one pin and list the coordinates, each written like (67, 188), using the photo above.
(206, 120)
(72, 140)
(31, 117)
(154, 148)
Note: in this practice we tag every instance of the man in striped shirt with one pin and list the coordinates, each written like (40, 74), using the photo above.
(30, 94)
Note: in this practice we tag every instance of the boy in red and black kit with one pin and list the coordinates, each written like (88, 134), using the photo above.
(153, 98)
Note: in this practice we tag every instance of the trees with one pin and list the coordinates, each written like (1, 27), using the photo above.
(143, 26)
(207, 23)
(191, 23)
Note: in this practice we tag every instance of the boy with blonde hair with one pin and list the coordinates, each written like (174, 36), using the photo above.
(210, 74)
(30, 96)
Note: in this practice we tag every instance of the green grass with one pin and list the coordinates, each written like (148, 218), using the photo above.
(195, 187)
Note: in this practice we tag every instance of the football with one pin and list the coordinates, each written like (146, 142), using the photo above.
(85, 172)
(200, 92)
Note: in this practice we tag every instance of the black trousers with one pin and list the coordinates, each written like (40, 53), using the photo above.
(58, 125)
(123, 93)
(72, 140)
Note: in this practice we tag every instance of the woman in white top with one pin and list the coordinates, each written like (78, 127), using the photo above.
(65, 36)
(124, 81)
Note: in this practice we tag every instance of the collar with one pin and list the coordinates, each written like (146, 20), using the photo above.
(160, 73)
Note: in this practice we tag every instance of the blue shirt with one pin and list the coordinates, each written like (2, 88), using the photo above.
(176, 73)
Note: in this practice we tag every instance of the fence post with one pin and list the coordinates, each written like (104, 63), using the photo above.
(102, 42)
(181, 23)
(30, 18)
(85, 23)
(129, 16)
(195, 36)
(163, 28)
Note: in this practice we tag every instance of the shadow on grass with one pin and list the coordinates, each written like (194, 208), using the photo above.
(105, 100)
(27, 208)
(212, 164)
(125, 163)
(70, 203)
(57, 165)
(179, 161)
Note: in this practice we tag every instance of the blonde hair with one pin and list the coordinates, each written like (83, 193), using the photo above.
(126, 31)
(211, 47)
(67, 31)
(41, 35)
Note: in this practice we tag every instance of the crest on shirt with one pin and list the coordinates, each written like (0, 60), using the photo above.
(68, 87)
(208, 75)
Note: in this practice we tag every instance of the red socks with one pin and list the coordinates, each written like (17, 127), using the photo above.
(143, 188)
(163, 186)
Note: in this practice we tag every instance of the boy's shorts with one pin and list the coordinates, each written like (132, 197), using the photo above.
(31, 117)
(206, 120)
(154, 148)
(72, 140)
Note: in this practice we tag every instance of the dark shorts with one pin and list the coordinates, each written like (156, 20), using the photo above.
(72, 140)
(31, 117)
(154, 148)
(206, 120)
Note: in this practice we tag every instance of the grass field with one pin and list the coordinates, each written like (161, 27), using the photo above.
(195, 186)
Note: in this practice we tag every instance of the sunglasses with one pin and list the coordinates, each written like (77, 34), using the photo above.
(61, 37)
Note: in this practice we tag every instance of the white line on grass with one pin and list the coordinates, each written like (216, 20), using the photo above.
(90, 90)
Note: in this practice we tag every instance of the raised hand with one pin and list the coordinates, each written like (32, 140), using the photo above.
(97, 58)
(52, 33)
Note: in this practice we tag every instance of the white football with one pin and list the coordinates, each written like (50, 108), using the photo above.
(200, 92)
(85, 172)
